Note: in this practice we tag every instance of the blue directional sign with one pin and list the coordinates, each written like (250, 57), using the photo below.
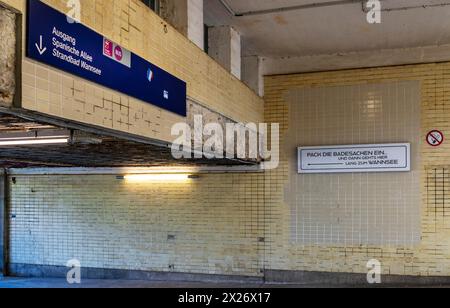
(57, 41)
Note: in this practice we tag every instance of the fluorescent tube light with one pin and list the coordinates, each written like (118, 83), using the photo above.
(36, 141)
(157, 177)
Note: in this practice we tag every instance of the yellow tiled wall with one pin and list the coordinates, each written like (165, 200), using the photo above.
(220, 223)
(137, 28)
(209, 225)
(232, 224)
(431, 255)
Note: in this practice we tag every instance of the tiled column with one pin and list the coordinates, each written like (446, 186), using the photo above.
(225, 48)
(252, 74)
(187, 17)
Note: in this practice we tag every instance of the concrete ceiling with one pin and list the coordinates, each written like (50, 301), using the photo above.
(331, 27)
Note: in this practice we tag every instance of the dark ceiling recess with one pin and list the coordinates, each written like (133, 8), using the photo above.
(91, 150)
(10, 123)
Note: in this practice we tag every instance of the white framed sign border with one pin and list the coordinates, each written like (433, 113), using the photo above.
(406, 166)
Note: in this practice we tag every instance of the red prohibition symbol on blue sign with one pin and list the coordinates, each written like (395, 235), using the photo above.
(435, 138)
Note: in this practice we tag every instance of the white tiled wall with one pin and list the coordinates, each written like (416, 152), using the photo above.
(208, 226)
(359, 208)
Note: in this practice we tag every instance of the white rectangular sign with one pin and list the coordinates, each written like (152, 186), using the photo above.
(355, 158)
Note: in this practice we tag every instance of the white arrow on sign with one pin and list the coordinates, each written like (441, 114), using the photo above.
(39, 47)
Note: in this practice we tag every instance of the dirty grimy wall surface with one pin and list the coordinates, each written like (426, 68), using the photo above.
(209, 226)
(241, 224)
(428, 253)
(7, 56)
(230, 224)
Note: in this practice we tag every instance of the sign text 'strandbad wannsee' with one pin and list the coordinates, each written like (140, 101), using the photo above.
(355, 158)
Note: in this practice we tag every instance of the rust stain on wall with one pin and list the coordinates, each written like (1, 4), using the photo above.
(279, 19)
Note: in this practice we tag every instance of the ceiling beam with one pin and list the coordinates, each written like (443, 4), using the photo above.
(64, 123)
(354, 60)
(288, 8)
(133, 170)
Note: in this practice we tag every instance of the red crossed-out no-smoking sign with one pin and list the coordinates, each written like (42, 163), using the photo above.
(435, 138)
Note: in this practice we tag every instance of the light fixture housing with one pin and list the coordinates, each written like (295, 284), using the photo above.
(33, 141)
(157, 177)
(40, 137)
